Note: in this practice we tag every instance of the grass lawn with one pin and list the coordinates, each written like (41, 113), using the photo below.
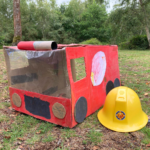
(23, 132)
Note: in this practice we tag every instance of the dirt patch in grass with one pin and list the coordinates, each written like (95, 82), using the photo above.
(121, 141)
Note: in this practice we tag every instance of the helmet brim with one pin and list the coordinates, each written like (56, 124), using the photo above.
(121, 127)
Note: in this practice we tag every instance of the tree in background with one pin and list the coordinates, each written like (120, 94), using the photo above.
(44, 20)
(29, 20)
(141, 9)
(93, 23)
(71, 16)
(86, 20)
(124, 24)
(6, 24)
(74, 22)
(17, 22)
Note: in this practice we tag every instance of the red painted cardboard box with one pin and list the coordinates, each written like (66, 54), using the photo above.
(44, 84)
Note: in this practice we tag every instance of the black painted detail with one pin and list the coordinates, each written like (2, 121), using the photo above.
(50, 90)
(109, 86)
(80, 109)
(116, 82)
(37, 107)
(23, 78)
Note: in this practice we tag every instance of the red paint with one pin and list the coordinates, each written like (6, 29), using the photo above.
(26, 45)
(95, 95)
(66, 122)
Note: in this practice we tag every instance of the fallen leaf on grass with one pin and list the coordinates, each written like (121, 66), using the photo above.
(20, 146)
(0, 131)
(59, 142)
(1, 146)
(17, 113)
(21, 139)
(95, 148)
(6, 129)
(17, 143)
(8, 100)
(148, 145)
(98, 130)
(146, 94)
(7, 137)
(38, 132)
(10, 108)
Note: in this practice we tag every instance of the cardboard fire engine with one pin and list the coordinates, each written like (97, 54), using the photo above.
(44, 84)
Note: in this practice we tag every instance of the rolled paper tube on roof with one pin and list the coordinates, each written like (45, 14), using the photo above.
(37, 45)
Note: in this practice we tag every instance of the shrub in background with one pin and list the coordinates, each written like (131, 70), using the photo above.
(93, 41)
(137, 42)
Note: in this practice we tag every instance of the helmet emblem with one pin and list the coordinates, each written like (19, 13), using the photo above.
(120, 115)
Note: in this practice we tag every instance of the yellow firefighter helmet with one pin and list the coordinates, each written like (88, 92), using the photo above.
(122, 111)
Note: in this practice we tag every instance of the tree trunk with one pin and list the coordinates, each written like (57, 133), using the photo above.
(145, 21)
(148, 35)
(17, 22)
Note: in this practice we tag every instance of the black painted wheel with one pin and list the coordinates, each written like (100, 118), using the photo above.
(109, 86)
(80, 109)
(116, 82)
